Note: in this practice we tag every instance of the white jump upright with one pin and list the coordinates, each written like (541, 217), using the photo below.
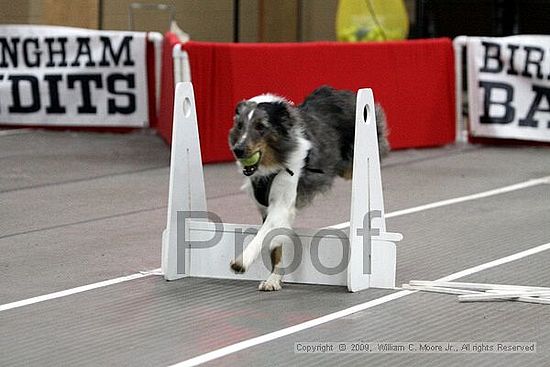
(373, 253)
(193, 245)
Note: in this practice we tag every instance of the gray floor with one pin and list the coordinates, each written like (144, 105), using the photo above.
(79, 208)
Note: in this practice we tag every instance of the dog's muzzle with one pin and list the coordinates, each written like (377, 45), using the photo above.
(250, 164)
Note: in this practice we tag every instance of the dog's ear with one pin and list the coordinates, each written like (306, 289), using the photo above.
(277, 113)
(239, 105)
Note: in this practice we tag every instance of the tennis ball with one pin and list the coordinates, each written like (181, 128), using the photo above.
(252, 160)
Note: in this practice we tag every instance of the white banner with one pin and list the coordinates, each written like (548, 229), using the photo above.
(509, 87)
(72, 77)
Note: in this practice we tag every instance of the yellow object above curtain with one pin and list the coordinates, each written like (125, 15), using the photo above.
(371, 20)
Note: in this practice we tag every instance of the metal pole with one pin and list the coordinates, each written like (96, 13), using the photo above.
(236, 20)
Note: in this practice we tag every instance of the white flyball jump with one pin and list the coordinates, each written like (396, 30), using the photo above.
(193, 245)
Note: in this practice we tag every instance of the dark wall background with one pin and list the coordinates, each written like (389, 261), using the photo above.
(450, 18)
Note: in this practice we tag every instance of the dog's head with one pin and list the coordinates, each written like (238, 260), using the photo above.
(260, 133)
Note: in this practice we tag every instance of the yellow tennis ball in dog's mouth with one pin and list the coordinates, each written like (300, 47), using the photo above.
(252, 160)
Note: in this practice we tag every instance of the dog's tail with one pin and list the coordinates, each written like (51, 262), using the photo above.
(382, 130)
(345, 166)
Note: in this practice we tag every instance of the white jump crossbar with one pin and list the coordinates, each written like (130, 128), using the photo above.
(476, 292)
(321, 254)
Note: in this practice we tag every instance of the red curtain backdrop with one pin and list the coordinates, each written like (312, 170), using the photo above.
(413, 80)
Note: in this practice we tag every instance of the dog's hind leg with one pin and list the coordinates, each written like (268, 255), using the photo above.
(346, 173)
(344, 169)
(275, 279)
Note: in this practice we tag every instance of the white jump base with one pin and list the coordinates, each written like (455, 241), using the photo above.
(371, 263)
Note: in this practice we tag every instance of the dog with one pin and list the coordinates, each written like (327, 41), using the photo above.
(290, 154)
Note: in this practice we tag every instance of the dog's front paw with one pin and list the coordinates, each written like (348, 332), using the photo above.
(237, 266)
(270, 285)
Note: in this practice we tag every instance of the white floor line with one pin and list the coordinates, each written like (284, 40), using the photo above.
(233, 348)
(16, 131)
(47, 297)
(68, 292)
(461, 199)
(416, 209)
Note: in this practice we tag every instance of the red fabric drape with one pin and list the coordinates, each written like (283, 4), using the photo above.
(413, 80)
